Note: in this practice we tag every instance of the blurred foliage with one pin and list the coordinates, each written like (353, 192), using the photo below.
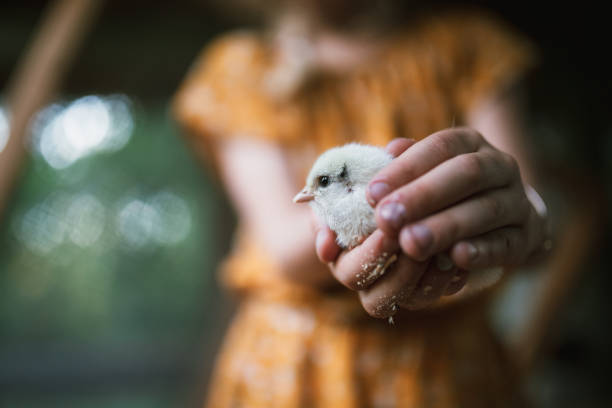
(116, 248)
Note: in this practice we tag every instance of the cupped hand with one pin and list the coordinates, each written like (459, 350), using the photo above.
(450, 193)
(384, 277)
(455, 192)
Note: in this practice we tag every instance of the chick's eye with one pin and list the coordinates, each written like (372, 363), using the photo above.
(323, 181)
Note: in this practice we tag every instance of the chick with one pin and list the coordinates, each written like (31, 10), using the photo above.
(335, 189)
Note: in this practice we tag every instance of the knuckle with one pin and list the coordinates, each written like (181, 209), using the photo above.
(472, 136)
(445, 143)
(423, 195)
(494, 207)
(473, 167)
(510, 164)
(448, 231)
(469, 137)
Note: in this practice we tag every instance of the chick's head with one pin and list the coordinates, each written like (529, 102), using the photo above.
(342, 173)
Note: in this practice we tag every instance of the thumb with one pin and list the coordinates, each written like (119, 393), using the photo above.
(325, 243)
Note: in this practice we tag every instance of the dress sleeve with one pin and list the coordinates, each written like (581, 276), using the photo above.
(489, 58)
(224, 94)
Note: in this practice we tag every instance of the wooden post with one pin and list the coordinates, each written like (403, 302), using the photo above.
(38, 76)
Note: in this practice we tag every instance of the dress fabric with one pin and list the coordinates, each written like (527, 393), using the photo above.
(294, 346)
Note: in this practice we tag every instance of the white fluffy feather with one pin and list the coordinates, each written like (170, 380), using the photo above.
(342, 203)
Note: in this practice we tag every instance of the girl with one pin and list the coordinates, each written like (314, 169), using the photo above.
(262, 106)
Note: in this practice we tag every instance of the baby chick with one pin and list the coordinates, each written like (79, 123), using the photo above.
(335, 189)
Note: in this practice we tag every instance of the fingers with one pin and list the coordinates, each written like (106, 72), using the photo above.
(422, 157)
(382, 299)
(398, 146)
(510, 246)
(448, 183)
(431, 287)
(359, 267)
(326, 246)
(472, 217)
(504, 246)
(412, 285)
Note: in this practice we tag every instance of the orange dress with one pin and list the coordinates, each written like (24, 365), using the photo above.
(294, 346)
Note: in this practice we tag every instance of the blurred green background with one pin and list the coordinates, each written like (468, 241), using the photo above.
(108, 266)
(109, 246)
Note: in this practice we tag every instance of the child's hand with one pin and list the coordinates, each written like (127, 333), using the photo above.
(404, 283)
(454, 191)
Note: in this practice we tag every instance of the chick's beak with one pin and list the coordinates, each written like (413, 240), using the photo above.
(303, 196)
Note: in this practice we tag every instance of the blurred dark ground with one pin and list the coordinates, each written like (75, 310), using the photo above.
(108, 251)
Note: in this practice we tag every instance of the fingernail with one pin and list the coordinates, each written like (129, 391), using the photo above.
(422, 236)
(393, 213)
(472, 252)
(443, 262)
(377, 191)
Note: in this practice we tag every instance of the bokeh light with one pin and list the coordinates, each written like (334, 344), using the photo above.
(64, 134)
(60, 218)
(43, 227)
(86, 215)
(161, 219)
(135, 223)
